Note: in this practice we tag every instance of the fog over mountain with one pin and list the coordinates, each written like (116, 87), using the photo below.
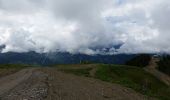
(61, 58)
(85, 26)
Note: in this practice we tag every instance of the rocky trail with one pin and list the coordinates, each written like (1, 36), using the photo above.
(51, 84)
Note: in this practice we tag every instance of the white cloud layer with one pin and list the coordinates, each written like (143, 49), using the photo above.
(85, 26)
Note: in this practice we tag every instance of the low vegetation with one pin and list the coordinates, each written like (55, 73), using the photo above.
(135, 78)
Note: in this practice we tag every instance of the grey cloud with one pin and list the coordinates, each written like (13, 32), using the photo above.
(80, 26)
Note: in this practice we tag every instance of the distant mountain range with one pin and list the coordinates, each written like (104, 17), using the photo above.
(60, 58)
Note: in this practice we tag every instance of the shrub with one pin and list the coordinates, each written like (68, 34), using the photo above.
(141, 60)
(164, 65)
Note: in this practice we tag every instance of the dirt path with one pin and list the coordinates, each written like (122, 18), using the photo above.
(152, 68)
(50, 84)
(70, 87)
(27, 84)
(9, 82)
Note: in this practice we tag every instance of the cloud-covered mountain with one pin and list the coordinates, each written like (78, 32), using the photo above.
(60, 58)
(78, 26)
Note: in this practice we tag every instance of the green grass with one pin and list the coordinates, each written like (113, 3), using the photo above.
(135, 78)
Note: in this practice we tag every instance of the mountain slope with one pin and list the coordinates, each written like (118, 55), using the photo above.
(61, 58)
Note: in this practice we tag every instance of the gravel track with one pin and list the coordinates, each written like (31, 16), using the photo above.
(51, 84)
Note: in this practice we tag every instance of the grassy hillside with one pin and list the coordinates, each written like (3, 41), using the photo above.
(128, 76)
(134, 78)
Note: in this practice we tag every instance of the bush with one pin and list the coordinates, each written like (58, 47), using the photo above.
(141, 60)
(164, 65)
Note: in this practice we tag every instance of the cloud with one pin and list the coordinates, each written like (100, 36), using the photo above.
(85, 26)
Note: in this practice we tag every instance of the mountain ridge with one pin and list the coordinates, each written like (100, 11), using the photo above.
(61, 58)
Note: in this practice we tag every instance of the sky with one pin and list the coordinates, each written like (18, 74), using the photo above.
(85, 26)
